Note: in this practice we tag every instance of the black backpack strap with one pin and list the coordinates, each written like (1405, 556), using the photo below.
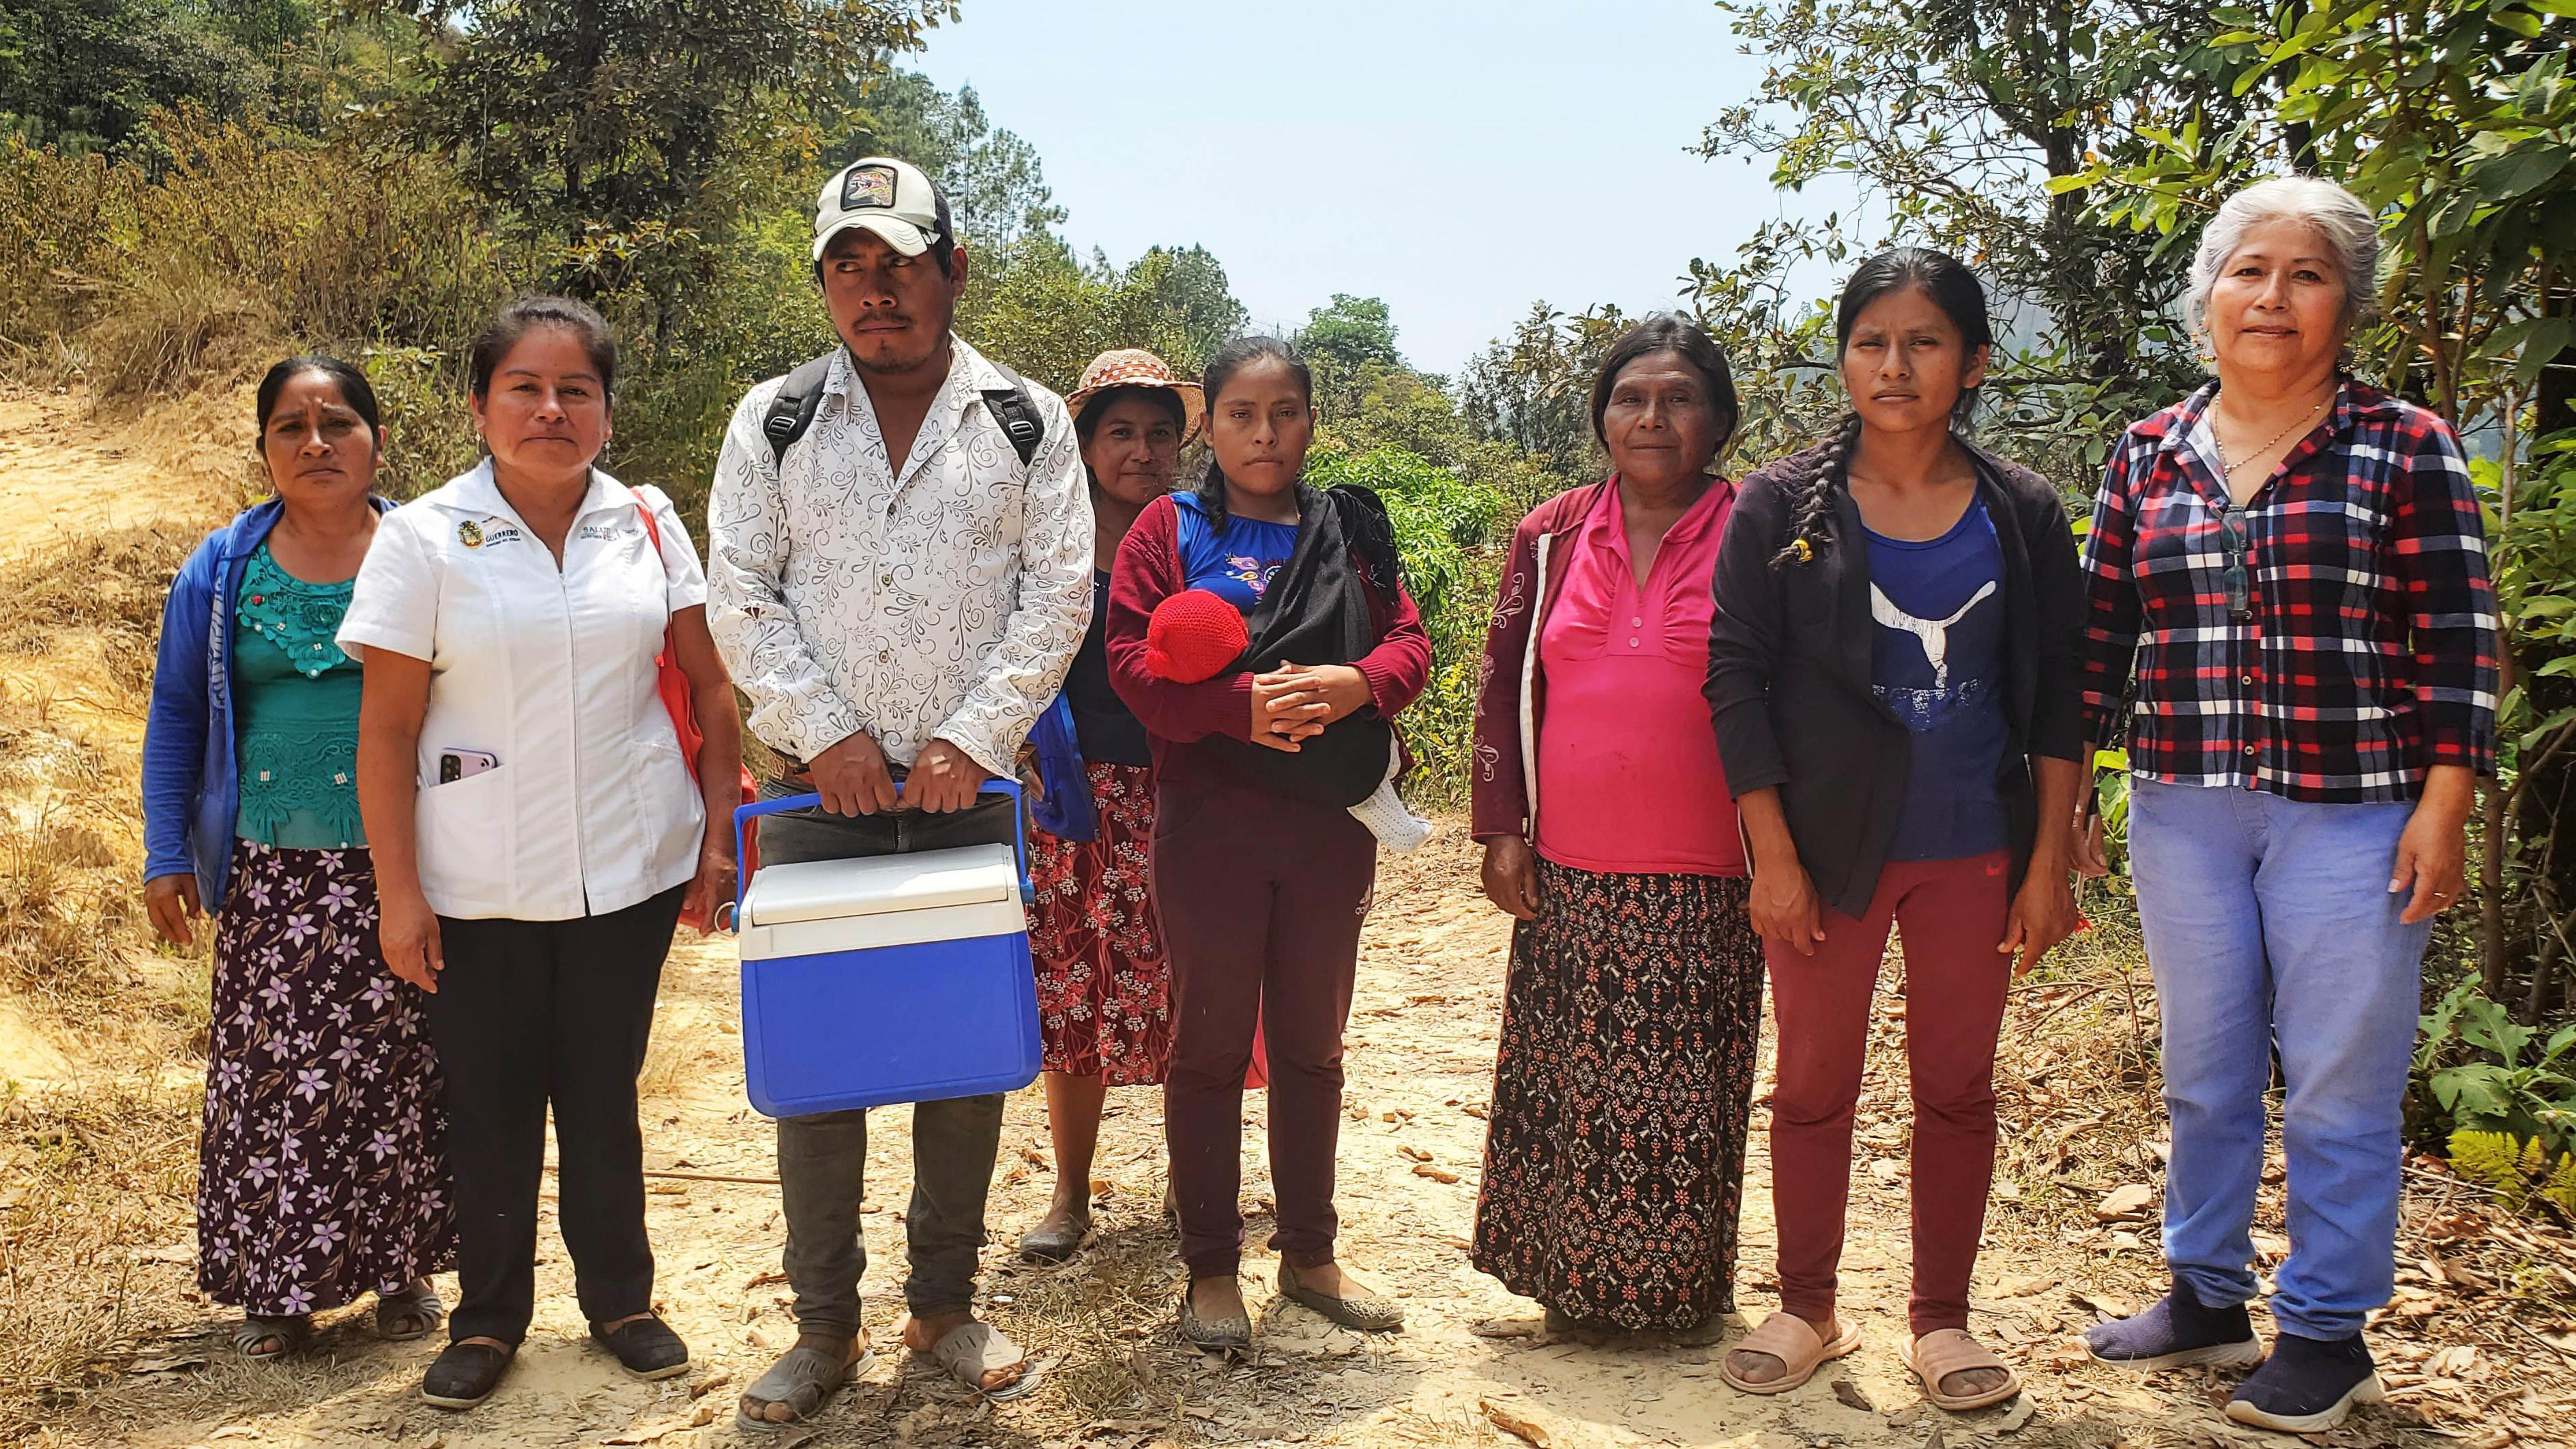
(1017, 412)
(800, 397)
(791, 412)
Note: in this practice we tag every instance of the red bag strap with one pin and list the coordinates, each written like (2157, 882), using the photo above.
(673, 685)
(652, 529)
(653, 532)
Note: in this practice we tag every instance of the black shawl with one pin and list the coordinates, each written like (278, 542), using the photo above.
(1316, 611)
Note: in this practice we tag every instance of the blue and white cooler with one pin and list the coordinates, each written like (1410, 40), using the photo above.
(893, 978)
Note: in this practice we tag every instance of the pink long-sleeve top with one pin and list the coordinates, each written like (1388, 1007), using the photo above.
(1624, 755)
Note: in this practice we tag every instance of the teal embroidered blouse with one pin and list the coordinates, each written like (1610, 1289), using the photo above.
(297, 701)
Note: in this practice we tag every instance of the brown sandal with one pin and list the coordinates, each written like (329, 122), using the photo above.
(1946, 1351)
(800, 1382)
(409, 1312)
(1788, 1338)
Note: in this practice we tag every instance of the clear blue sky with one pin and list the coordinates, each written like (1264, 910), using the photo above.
(1460, 160)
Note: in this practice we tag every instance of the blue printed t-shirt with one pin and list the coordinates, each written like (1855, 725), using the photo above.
(1235, 562)
(1936, 661)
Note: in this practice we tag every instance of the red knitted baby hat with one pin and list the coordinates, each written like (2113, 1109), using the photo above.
(1193, 636)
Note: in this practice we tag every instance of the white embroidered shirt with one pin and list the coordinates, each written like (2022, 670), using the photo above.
(944, 599)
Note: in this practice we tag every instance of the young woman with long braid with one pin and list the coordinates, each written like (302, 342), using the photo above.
(1895, 673)
(1261, 874)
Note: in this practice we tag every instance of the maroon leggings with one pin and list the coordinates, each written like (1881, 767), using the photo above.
(1949, 915)
(1261, 900)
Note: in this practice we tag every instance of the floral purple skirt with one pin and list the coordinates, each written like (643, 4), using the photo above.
(1614, 1163)
(322, 1174)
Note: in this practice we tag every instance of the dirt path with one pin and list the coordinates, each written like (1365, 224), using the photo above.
(1421, 1058)
(67, 473)
(87, 500)
(1471, 1369)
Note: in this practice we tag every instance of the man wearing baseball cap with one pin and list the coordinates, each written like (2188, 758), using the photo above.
(899, 571)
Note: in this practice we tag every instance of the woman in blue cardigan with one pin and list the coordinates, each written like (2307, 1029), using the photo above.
(321, 1172)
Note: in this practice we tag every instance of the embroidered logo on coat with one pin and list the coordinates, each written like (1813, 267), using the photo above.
(490, 532)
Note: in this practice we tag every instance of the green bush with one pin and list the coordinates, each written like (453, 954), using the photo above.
(432, 436)
(54, 230)
(252, 241)
(1444, 527)
(2519, 1171)
(2477, 1069)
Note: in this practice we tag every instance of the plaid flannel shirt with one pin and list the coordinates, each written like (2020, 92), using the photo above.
(2370, 655)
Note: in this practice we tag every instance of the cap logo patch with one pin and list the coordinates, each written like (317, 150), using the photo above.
(868, 186)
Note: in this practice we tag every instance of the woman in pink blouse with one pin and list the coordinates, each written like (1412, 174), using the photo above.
(1614, 1164)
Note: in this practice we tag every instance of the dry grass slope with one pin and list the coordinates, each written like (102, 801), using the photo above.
(99, 1034)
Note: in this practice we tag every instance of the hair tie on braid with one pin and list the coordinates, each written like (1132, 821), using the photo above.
(1811, 498)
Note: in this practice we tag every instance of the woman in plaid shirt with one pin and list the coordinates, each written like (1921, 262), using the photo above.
(2288, 569)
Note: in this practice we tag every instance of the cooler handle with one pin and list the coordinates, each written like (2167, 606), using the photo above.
(745, 814)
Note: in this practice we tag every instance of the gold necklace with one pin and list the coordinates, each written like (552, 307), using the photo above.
(2229, 469)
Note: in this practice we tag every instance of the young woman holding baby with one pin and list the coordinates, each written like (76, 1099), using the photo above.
(1262, 874)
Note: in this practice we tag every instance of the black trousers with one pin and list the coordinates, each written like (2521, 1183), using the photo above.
(532, 1012)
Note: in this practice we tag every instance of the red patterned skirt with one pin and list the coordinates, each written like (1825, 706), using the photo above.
(1614, 1162)
(1104, 987)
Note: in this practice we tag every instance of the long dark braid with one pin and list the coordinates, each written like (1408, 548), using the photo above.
(1211, 492)
(1811, 496)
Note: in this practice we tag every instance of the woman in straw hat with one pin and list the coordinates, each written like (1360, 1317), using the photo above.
(1103, 985)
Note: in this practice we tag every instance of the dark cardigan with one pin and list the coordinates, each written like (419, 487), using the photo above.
(1789, 672)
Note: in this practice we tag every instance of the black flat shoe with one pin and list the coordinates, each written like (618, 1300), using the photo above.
(646, 1346)
(465, 1374)
(2308, 1385)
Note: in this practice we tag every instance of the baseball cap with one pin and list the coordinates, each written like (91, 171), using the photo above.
(889, 197)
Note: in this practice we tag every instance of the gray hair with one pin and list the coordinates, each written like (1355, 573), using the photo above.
(2339, 218)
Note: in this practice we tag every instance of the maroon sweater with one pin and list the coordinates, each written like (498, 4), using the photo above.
(1177, 716)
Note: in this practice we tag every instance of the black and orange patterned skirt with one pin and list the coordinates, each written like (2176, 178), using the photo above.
(1614, 1163)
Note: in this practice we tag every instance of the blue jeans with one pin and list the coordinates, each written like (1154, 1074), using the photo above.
(2270, 926)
